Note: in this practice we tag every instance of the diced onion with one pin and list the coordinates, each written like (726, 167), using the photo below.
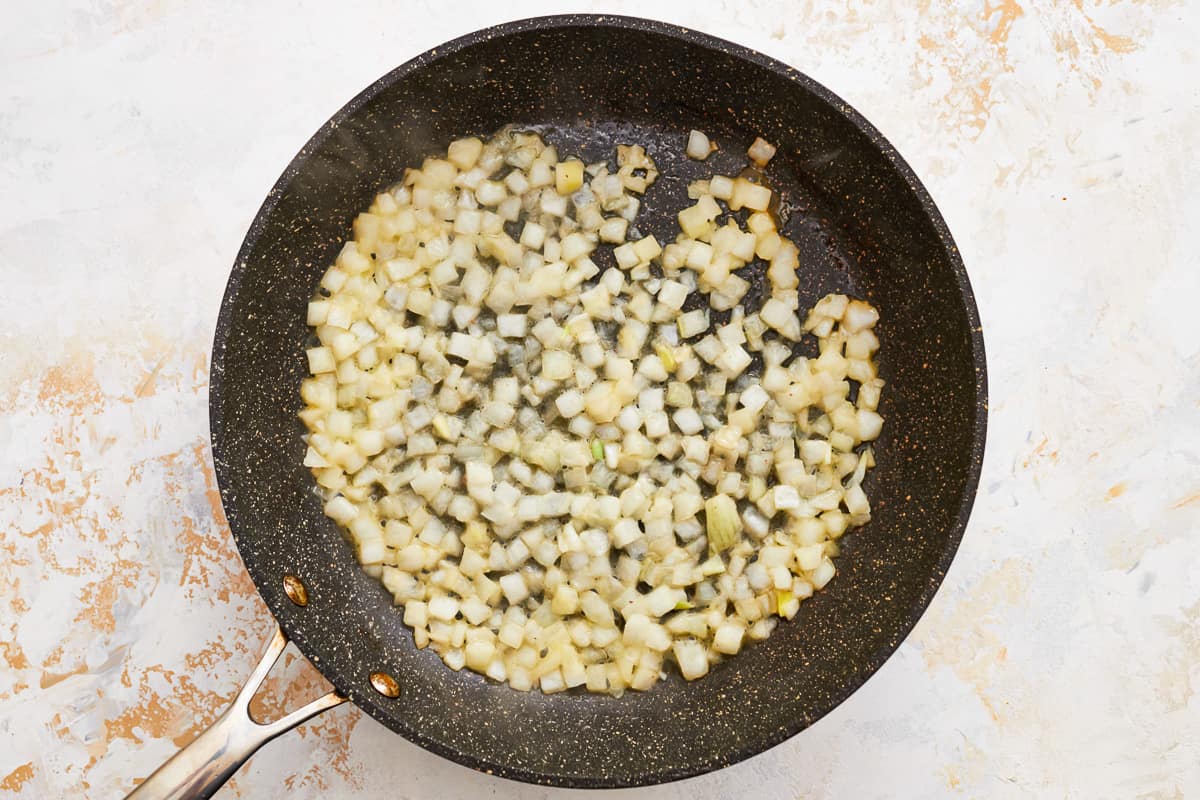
(518, 444)
(698, 146)
(761, 151)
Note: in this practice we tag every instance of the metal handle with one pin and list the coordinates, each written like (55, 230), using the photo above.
(198, 770)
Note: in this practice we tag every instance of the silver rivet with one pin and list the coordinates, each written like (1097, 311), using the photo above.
(385, 684)
(295, 590)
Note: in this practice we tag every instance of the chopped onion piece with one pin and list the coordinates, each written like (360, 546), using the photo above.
(698, 146)
(761, 151)
(514, 442)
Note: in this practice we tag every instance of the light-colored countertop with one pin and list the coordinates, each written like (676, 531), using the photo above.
(1061, 658)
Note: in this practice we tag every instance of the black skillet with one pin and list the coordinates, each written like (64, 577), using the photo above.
(865, 225)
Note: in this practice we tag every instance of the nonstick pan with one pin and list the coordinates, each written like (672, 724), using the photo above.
(864, 225)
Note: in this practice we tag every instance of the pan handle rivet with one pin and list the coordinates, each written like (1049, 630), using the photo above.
(385, 684)
(295, 590)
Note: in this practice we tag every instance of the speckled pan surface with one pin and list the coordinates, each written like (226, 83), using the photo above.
(864, 224)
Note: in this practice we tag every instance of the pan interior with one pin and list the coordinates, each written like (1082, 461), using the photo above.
(863, 225)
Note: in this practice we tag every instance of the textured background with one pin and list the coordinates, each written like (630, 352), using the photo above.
(1062, 656)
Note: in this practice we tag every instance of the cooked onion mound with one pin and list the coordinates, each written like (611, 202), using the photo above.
(563, 476)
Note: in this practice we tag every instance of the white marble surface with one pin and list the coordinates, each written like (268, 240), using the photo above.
(1062, 657)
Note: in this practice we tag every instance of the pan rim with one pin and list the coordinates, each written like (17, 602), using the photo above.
(950, 250)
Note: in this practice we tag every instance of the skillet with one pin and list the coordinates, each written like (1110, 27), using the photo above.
(864, 224)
